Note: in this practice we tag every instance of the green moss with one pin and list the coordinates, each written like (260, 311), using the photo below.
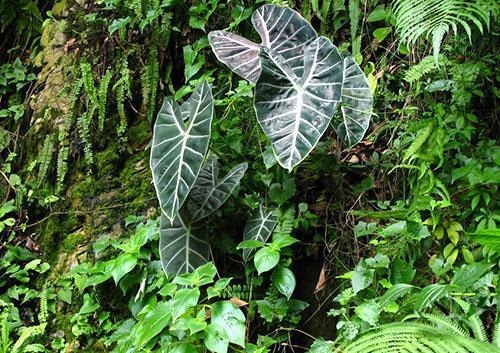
(140, 134)
(106, 161)
(72, 242)
(59, 7)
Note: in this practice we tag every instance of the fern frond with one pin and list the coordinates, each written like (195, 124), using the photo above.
(45, 158)
(62, 166)
(496, 332)
(285, 225)
(441, 322)
(122, 91)
(354, 16)
(414, 337)
(102, 98)
(477, 327)
(434, 18)
(153, 78)
(424, 67)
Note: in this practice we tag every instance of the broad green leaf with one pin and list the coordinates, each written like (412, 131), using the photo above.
(210, 192)
(430, 294)
(321, 346)
(216, 338)
(179, 148)
(123, 264)
(362, 277)
(369, 312)
(284, 279)
(379, 261)
(490, 238)
(259, 228)
(381, 33)
(379, 13)
(230, 318)
(181, 250)
(153, 324)
(467, 275)
(356, 104)
(266, 259)
(295, 110)
(184, 348)
(280, 28)
(183, 300)
(394, 293)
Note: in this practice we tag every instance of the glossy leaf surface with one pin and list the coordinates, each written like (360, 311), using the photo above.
(210, 192)
(182, 248)
(280, 28)
(356, 106)
(259, 228)
(179, 148)
(294, 111)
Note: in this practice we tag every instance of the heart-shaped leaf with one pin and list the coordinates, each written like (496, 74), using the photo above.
(210, 192)
(181, 250)
(357, 103)
(259, 228)
(294, 111)
(280, 28)
(179, 148)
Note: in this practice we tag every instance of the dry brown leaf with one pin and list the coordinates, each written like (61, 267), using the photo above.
(238, 302)
(322, 279)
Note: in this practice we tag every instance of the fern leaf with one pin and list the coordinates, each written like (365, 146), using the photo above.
(434, 18)
(415, 337)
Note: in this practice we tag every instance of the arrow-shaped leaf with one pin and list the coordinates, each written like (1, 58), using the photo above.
(280, 28)
(259, 227)
(179, 148)
(210, 192)
(357, 104)
(181, 250)
(295, 111)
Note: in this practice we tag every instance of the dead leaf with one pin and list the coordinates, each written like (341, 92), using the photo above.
(322, 279)
(238, 302)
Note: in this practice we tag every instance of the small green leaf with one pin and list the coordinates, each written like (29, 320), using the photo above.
(381, 33)
(153, 324)
(230, 319)
(216, 339)
(266, 259)
(487, 237)
(250, 244)
(368, 312)
(183, 300)
(284, 279)
(362, 277)
(430, 295)
(378, 14)
(123, 264)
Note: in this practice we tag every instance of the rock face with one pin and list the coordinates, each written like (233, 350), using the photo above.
(91, 204)
(55, 61)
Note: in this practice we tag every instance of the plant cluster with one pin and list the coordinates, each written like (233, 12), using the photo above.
(312, 197)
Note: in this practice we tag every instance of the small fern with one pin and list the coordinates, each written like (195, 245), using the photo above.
(73, 98)
(424, 67)
(434, 18)
(414, 337)
(122, 92)
(62, 167)
(83, 123)
(153, 68)
(102, 98)
(285, 224)
(496, 332)
(45, 158)
(354, 16)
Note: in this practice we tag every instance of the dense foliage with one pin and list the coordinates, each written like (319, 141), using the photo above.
(249, 176)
